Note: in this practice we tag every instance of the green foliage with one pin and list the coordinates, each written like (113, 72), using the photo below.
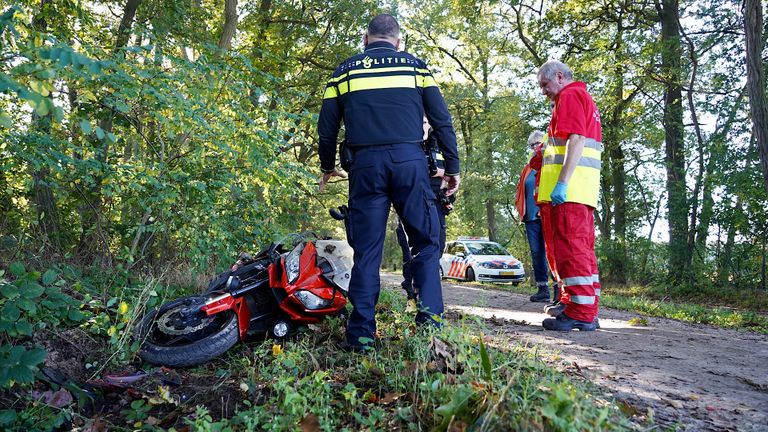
(29, 303)
(398, 385)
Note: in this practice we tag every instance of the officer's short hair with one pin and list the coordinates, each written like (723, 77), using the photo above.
(384, 25)
(549, 69)
(535, 137)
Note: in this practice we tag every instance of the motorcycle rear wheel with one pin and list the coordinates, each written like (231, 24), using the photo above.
(167, 340)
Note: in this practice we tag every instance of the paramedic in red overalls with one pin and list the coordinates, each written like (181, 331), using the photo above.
(570, 182)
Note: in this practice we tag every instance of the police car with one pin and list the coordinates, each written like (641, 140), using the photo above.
(476, 258)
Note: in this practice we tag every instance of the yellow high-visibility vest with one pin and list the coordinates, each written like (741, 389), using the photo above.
(584, 185)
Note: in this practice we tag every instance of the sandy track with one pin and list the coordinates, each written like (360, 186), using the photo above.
(699, 377)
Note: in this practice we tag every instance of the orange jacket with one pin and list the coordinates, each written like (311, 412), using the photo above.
(533, 163)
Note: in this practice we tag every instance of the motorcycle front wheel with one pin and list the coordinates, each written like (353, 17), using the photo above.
(171, 337)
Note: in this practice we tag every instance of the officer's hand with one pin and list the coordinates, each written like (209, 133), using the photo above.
(452, 184)
(327, 177)
(559, 193)
(440, 173)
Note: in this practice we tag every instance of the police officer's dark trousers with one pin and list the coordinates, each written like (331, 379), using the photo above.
(381, 175)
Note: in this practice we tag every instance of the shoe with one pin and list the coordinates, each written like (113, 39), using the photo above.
(596, 322)
(554, 309)
(409, 291)
(564, 323)
(541, 296)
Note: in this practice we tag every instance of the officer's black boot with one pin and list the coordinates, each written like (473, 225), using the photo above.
(409, 291)
(542, 295)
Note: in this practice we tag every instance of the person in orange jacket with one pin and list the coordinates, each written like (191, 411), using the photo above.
(525, 201)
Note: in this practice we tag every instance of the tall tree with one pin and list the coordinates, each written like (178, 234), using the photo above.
(677, 199)
(755, 42)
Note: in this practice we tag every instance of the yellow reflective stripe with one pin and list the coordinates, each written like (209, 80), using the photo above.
(372, 83)
(426, 81)
(440, 156)
(424, 71)
(561, 150)
(559, 159)
(371, 71)
(330, 93)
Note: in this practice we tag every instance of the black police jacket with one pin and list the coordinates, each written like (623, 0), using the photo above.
(382, 94)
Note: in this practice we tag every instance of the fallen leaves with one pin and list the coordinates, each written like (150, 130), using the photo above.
(277, 349)
(310, 423)
(56, 399)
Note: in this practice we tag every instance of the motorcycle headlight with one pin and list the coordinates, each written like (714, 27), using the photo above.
(292, 263)
(311, 301)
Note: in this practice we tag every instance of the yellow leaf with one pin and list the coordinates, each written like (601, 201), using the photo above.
(123, 308)
(277, 350)
(112, 330)
(38, 87)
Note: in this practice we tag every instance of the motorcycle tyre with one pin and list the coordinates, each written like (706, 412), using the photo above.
(198, 352)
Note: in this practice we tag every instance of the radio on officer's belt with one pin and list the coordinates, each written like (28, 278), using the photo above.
(345, 156)
(429, 150)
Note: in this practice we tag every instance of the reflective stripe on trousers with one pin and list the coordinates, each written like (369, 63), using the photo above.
(574, 238)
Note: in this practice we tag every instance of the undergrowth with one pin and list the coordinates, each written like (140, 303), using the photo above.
(461, 377)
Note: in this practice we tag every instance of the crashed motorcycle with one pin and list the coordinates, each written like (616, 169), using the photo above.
(298, 280)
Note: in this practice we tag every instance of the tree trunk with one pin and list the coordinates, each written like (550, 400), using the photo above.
(93, 236)
(490, 215)
(230, 25)
(43, 197)
(677, 202)
(618, 256)
(126, 23)
(753, 26)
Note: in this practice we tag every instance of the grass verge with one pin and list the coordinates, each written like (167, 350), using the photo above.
(653, 302)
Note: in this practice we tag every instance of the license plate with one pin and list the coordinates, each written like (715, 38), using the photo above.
(506, 273)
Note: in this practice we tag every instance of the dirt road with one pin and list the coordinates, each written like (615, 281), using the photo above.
(697, 377)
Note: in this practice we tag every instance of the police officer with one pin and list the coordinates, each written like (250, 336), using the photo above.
(436, 183)
(381, 95)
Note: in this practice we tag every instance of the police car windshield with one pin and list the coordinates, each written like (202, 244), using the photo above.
(486, 249)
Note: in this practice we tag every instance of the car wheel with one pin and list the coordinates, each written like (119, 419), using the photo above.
(442, 276)
(470, 274)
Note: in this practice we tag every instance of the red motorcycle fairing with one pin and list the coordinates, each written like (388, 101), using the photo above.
(226, 302)
(310, 279)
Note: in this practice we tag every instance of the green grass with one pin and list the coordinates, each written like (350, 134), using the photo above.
(742, 310)
(485, 382)
(495, 383)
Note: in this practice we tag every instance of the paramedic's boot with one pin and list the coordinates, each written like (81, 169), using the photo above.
(554, 309)
(564, 323)
(542, 295)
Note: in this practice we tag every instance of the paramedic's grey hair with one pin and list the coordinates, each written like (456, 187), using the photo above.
(549, 69)
(535, 137)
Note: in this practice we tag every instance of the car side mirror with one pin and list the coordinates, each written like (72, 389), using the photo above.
(460, 254)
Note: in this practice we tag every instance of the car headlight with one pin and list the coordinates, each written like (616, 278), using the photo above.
(311, 301)
(292, 263)
(486, 265)
(518, 266)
